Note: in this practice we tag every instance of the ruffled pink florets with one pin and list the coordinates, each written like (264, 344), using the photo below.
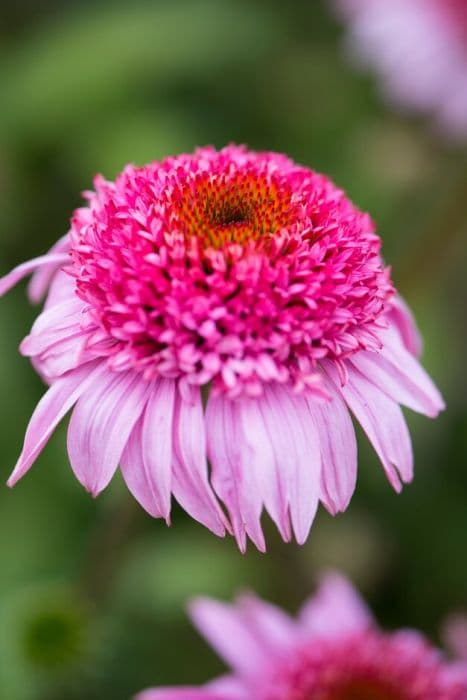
(233, 267)
(367, 665)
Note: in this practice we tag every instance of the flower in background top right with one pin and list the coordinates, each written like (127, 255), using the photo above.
(419, 50)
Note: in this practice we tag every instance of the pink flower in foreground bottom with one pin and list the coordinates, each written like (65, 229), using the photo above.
(419, 48)
(227, 306)
(334, 651)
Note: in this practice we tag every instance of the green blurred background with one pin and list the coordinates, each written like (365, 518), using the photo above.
(92, 592)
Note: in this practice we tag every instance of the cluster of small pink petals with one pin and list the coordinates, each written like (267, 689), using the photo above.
(334, 651)
(419, 48)
(187, 280)
(368, 664)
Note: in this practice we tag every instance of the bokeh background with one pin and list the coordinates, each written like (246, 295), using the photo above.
(92, 593)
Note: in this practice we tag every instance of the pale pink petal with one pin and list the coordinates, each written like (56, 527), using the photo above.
(52, 325)
(403, 361)
(259, 460)
(401, 316)
(63, 356)
(101, 425)
(42, 277)
(50, 410)
(231, 634)
(190, 482)
(21, 271)
(62, 288)
(338, 447)
(230, 688)
(147, 460)
(403, 381)
(234, 479)
(277, 630)
(335, 609)
(295, 442)
(382, 420)
(181, 694)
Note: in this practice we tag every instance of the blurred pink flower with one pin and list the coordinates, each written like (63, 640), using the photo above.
(229, 306)
(334, 651)
(419, 49)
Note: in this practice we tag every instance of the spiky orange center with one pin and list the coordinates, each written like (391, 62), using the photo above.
(232, 208)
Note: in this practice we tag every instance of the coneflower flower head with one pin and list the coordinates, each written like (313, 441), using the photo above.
(230, 268)
(223, 305)
(333, 651)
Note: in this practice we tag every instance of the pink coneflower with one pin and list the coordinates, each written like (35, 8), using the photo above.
(419, 49)
(227, 306)
(334, 651)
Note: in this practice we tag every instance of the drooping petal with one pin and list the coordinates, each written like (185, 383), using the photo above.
(258, 459)
(147, 459)
(265, 451)
(396, 354)
(400, 377)
(101, 425)
(336, 609)
(232, 478)
(190, 483)
(229, 632)
(50, 410)
(42, 277)
(338, 447)
(382, 420)
(21, 271)
(295, 443)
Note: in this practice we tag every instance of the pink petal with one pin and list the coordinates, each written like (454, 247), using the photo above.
(230, 688)
(381, 419)
(295, 443)
(230, 633)
(232, 478)
(181, 694)
(395, 353)
(63, 356)
(25, 269)
(190, 483)
(101, 425)
(62, 288)
(52, 325)
(50, 410)
(269, 623)
(42, 277)
(336, 609)
(406, 382)
(401, 316)
(338, 450)
(147, 459)
(258, 457)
